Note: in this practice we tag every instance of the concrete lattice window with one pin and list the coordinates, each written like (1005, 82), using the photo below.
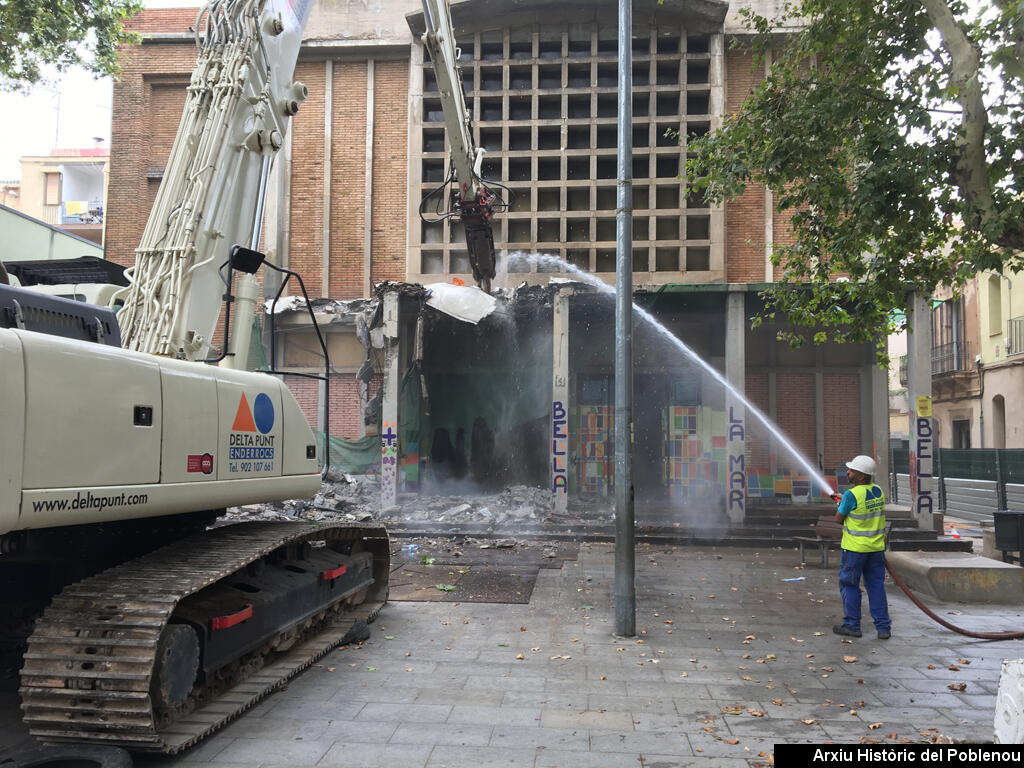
(543, 103)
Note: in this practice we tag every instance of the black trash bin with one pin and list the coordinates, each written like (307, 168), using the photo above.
(1009, 526)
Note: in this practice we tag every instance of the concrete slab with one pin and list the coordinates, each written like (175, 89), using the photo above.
(960, 577)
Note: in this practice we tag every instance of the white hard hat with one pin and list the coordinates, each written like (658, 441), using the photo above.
(863, 464)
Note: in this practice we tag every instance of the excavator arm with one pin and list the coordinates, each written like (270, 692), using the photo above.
(239, 103)
(473, 202)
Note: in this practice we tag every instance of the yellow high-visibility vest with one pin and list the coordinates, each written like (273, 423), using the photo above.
(864, 526)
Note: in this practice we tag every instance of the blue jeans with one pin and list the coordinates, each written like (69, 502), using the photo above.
(872, 565)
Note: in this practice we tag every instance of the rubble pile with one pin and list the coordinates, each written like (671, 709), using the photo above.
(357, 499)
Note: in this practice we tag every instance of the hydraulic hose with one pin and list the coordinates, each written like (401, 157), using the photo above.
(946, 624)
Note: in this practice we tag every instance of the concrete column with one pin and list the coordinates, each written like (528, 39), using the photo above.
(392, 386)
(924, 501)
(773, 413)
(880, 422)
(819, 407)
(560, 401)
(735, 410)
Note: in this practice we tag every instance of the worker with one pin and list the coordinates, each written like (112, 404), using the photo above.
(862, 514)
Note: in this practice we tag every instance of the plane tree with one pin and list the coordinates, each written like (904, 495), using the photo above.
(888, 130)
(59, 34)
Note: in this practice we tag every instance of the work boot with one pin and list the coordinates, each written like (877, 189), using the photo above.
(842, 629)
(884, 635)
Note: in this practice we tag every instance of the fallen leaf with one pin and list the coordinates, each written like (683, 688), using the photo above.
(809, 721)
(828, 669)
(731, 741)
(667, 621)
(331, 669)
(708, 728)
(520, 656)
(931, 666)
(445, 587)
(893, 736)
(860, 704)
(778, 702)
(372, 669)
(963, 661)
(602, 677)
(756, 712)
(954, 668)
(560, 657)
(874, 726)
(522, 629)
(818, 634)
(957, 686)
(849, 659)
(535, 650)
(732, 710)
(683, 674)
(389, 637)
(860, 681)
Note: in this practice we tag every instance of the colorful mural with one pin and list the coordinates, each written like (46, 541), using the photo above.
(596, 450)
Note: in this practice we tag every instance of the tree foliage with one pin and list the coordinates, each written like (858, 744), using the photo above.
(60, 34)
(889, 129)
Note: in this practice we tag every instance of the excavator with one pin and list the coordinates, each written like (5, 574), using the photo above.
(474, 200)
(136, 619)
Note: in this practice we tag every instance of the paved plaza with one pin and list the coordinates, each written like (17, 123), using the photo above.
(732, 656)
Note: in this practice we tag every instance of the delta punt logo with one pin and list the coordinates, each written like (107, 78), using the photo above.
(251, 447)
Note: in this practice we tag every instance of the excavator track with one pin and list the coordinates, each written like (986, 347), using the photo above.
(90, 660)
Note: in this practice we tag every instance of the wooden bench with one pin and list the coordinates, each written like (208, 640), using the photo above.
(827, 534)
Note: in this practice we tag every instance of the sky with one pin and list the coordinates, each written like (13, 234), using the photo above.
(70, 113)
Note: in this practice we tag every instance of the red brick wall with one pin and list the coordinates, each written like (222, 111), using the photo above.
(348, 179)
(842, 418)
(794, 409)
(756, 391)
(390, 163)
(744, 216)
(305, 251)
(345, 414)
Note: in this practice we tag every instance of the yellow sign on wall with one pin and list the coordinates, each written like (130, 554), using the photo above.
(924, 406)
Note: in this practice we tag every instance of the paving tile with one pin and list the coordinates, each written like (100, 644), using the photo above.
(521, 716)
(375, 712)
(361, 732)
(256, 751)
(518, 736)
(349, 754)
(658, 742)
(592, 720)
(481, 757)
(560, 758)
(447, 734)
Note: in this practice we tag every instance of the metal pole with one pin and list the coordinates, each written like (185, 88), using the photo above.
(625, 535)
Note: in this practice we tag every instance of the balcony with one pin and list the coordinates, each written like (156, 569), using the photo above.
(1015, 336)
(955, 357)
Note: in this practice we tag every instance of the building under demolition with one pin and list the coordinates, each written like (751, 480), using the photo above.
(522, 391)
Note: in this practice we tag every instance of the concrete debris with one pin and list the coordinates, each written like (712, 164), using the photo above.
(357, 499)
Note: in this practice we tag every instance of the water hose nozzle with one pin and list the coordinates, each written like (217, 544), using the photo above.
(836, 498)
